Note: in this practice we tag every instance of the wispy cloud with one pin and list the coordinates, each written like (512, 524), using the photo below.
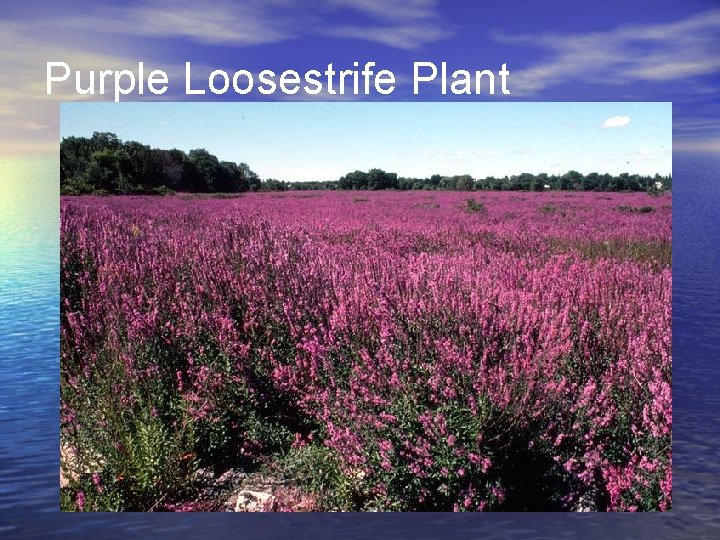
(393, 10)
(226, 23)
(402, 24)
(395, 23)
(699, 145)
(90, 38)
(29, 118)
(696, 126)
(622, 56)
(402, 36)
(616, 122)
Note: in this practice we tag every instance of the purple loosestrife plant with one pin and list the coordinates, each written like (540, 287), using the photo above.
(426, 357)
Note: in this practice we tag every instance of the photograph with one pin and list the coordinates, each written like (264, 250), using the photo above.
(362, 307)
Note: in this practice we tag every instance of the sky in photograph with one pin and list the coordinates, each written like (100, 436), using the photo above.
(322, 141)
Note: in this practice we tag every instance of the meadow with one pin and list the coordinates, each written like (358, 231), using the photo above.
(389, 351)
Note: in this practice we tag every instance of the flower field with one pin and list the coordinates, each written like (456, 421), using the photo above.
(401, 351)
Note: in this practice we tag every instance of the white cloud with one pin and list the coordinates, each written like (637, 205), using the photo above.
(392, 9)
(695, 125)
(402, 24)
(621, 56)
(226, 23)
(395, 23)
(29, 117)
(404, 36)
(697, 145)
(90, 38)
(616, 122)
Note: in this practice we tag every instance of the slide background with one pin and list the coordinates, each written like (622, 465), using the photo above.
(556, 51)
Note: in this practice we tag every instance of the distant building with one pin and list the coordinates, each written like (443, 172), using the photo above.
(659, 186)
(546, 186)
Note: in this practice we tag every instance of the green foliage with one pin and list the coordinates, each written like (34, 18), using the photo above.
(572, 180)
(141, 442)
(317, 469)
(627, 209)
(271, 184)
(77, 186)
(104, 164)
(474, 207)
(157, 464)
(374, 179)
(656, 253)
(163, 190)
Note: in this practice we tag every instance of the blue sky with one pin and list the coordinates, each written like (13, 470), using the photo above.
(555, 50)
(320, 141)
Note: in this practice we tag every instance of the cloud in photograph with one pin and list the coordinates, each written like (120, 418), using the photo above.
(616, 122)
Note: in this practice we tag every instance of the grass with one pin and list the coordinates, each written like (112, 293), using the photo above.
(627, 209)
(658, 253)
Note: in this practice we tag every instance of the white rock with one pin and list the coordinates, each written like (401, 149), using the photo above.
(253, 501)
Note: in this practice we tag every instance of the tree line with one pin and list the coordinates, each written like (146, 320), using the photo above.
(376, 179)
(104, 164)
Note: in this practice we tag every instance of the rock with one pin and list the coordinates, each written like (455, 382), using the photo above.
(254, 501)
(69, 469)
(67, 465)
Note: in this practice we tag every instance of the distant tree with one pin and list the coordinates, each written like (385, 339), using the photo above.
(435, 181)
(207, 170)
(249, 177)
(170, 166)
(571, 180)
(464, 182)
(353, 180)
(105, 164)
(271, 184)
(231, 179)
(590, 182)
(379, 179)
(524, 181)
(110, 170)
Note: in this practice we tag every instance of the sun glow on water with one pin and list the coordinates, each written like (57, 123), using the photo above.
(29, 221)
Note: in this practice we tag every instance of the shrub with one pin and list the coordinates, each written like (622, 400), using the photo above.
(473, 207)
